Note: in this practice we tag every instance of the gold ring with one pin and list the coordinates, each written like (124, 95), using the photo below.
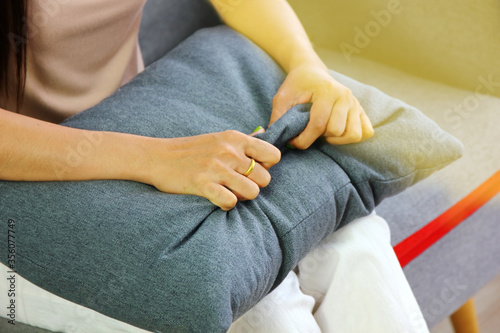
(250, 169)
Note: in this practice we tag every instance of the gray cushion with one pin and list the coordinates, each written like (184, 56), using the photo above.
(166, 23)
(176, 262)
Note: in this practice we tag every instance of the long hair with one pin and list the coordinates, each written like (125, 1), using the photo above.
(13, 41)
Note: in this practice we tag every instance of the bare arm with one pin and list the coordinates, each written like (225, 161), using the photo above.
(35, 150)
(272, 24)
(208, 165)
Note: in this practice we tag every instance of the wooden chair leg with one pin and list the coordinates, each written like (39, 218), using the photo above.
(464, 320)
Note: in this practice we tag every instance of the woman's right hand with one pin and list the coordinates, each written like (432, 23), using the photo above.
(211, 166)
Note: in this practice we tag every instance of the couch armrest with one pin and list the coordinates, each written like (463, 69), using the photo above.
(454, 42)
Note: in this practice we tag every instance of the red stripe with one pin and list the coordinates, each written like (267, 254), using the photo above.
(415, 244)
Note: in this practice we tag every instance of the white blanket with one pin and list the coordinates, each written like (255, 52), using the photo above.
(352, 282)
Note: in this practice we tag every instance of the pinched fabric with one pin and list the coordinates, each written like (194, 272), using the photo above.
(177, 263)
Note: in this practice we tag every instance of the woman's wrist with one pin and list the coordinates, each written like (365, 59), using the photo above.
(300, 53)
(130, 157)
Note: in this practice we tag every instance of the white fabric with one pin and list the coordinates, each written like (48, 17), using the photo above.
(352, 282)
(285, 310)
(356, 281)
(358, 284)
(40, 308)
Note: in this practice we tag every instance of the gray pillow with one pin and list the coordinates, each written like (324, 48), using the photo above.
(176, 263)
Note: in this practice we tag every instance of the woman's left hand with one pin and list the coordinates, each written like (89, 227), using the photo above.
(335, 113)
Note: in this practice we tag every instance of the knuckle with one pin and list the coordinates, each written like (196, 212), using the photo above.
(267, 179)
(214, 165)
(301, 144)
(334, 130)
(231, 136)
(227, 154)
(229, 203)
(346, 92)
(274, 156)
(210, 191)
(330, 87)
(218, 196)
(253, 192)
(279, 96)
(369, 133)
(277, 155)
(317, 126)
(354, 136)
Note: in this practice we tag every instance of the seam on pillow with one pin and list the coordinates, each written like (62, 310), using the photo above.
(359, 183)
(314, 210)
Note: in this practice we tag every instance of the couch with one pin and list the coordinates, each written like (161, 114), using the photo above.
(437, 57)
(442, 58)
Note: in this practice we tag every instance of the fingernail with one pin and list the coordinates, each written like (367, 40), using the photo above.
(290, 146)
(257, 129)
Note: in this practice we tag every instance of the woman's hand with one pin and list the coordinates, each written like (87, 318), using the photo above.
(335, 113)
(212, 166)
(273, 25)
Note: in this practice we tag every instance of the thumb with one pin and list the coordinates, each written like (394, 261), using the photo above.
(281, 104)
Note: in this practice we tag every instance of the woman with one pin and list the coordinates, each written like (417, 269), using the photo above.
(69, 55)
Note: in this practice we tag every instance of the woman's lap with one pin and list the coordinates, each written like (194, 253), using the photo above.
(356, 265)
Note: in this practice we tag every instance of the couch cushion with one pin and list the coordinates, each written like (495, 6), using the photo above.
(176, 262)
(402, 34)
(166, 23)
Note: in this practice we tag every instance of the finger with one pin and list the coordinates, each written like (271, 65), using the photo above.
(367, 126)
(282, 102)
(318, 120)
(337, 123)
(247, 191)
(220, 196)
(263, 152)
(229, 179)
(353, 132)
(243, 187)
(258, 130)
(258, 175)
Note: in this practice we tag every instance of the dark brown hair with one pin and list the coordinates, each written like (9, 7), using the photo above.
(13, 41)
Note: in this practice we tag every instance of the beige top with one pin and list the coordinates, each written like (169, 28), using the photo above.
(79, 52)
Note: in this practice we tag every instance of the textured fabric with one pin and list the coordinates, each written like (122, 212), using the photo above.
(285, 310)
(166, 23)
(107, 244)
(353, 283)
(42, 310)
(461, 263)
(476, 128)
(414, 245)
(79, 53)
(358, 283)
